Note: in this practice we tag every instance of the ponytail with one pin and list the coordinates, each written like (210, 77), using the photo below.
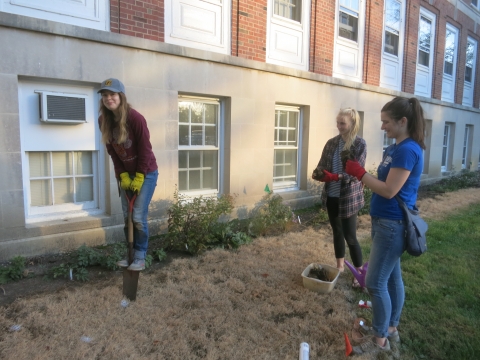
(411, 109)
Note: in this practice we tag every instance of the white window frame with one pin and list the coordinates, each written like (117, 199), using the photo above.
(390, 62)
(67, 207)
(62, 138)
(476, 5)
(193, 31)
(466, 146)
(420, 68)
(387, 141)
(218, 148)
(353, 51)
(287, 39)
(449, 79)
(447, 131)
(468, 100)
(86, 13)
(294, 184)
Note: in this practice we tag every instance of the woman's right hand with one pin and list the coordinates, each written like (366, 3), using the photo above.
(125, 181)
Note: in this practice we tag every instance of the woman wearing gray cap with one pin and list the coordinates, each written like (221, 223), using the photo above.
(127, 139)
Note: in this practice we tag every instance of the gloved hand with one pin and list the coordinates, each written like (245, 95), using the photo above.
(125, 181)
(329, 176)
(353, 168)
(137, 182)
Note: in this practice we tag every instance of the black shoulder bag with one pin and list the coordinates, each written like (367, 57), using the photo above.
(415, 230)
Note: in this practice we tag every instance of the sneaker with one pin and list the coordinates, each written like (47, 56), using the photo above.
(394, 337)
(137, 265)
(122, 263)
(371, 347)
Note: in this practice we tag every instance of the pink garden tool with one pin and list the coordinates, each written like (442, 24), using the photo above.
(360, 273)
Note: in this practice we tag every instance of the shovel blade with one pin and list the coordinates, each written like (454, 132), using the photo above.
(130, 283)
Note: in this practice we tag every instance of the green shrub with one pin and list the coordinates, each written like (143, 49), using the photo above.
(160, 254)
(191, 221)
(463, 180)
(13, 272)
(271, 215)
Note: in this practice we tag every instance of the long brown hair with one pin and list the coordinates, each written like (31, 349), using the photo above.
(352, 115)
(411, 109)
(108, 122)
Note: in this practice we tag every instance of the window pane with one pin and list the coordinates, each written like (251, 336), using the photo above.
(63, 191)
(392, 14)
(391, 43)
(290, 162)
(197, 135)
(210, 159)
(182, 180)
(348, 26)
(282, 118)
(39, 163)
(183, 111)
(194, 159)
(292, 137)
(468, 74)
(423, 58)
(211, 135)
(448, 68)
(183, 135)
(351, 4)
(425, 33)
(282, 137)
(62, 163)
(211, 112)
(183, 159)
(40, 193)
(83, 161)
(194, 180)
(84, 189)
(290, 9)
(470, 53)
(197, 112)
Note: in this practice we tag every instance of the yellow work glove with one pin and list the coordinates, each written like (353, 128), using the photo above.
(137, 182)
(125, 181)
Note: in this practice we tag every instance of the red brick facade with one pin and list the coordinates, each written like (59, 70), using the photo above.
(145, 19)
(249, 29)
(373, 42)
(322, 31)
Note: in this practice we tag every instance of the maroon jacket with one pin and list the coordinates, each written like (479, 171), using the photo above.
(135, 154)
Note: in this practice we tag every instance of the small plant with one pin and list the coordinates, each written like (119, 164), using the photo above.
(271, 215)
(160, 254)
(191, 221)
(148, 261)
(367, 194)
(456, 182)
(86, 256)
(113, 254)
(13, 272)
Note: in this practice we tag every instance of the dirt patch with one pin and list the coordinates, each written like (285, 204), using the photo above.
(244, 304)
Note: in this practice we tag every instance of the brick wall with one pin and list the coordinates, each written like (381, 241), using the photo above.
(373, 42)
(322, 32)
(411, 40)
(143, 19)
(249, 29)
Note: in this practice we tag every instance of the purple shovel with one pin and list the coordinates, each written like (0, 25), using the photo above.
(360, 273)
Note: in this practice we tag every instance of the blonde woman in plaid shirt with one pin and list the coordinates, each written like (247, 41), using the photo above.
(343, 194)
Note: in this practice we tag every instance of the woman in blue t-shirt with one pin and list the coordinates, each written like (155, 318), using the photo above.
(398, 173)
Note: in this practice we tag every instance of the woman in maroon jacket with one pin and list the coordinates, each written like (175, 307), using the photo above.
(342, 193)
(126, 137)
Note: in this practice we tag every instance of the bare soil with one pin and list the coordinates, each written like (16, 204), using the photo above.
(244, 304)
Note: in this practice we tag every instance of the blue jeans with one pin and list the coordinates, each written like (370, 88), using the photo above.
(140, 214)
(384, 276)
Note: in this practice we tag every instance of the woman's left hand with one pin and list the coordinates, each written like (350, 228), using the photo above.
(329, 176)
(137, 183)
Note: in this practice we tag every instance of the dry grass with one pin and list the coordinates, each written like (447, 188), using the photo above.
(247, 304)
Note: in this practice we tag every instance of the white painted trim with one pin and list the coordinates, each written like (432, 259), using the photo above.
(386, 57)
(342, 43)
(421, 68)
(290, 28)
(175, 35)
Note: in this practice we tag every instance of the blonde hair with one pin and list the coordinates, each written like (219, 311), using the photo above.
(108, 122)
(354, 117)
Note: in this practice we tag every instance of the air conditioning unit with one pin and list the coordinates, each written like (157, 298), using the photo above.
(61, 108)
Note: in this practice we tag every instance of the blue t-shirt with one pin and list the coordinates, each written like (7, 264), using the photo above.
(406, 155)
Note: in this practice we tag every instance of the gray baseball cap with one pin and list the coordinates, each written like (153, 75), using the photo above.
(113, 85)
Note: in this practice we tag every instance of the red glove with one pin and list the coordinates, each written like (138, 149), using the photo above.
(329, 176)
(355, 169)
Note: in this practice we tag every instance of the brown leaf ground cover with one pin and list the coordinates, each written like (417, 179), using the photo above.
(244, 304)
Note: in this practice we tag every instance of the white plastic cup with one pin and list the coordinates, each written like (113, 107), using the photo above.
(304, 351)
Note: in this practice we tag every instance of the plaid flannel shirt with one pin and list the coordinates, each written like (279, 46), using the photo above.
(351, 191)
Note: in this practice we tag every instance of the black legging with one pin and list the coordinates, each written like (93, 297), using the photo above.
(344, 230)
